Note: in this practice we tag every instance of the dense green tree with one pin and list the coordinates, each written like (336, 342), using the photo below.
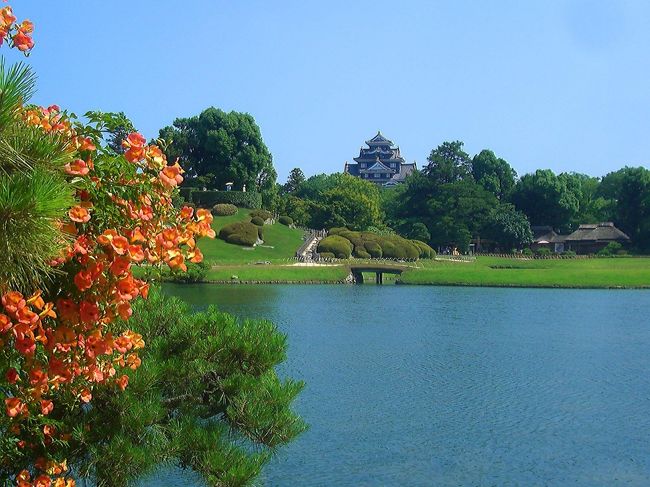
(592, 207)
(335, 200)
(493, 173)
(218, 147)
(547, 199)
(296, 208)
(314, 186)
(448, 163)
(508, 228)
(452, 212)
(630, 188)
(295, 179)
(419, 231)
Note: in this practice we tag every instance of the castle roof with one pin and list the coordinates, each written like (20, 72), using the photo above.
(379, 140)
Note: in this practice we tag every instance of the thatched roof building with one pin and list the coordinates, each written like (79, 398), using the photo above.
(545, 237)
(592, 237)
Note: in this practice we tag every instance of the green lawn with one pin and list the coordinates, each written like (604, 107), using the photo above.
(493, 271)
(284, 273)
(284, 240)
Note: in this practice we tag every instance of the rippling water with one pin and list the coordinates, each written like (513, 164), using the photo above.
(429, 386)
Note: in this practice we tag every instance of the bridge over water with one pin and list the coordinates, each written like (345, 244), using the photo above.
(357, 271)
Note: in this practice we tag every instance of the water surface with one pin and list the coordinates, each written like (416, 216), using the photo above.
(434, 386)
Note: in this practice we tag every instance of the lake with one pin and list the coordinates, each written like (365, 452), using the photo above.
(444, 386)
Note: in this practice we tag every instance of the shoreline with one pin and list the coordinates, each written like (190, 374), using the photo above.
(399, 283)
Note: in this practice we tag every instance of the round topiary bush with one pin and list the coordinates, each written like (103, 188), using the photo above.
(256, 220)
(285, 220)
(263, 214)
(374, 249)
(224, 209)
(336, 230)
(240, 233)
(337, 245)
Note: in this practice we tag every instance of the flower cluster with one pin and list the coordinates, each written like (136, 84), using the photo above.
(61, 343)
(19, 35)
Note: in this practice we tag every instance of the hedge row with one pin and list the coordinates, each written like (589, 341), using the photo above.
(241, 233)
(368, 245)
(207, 199)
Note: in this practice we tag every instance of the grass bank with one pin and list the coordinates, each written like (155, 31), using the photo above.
(280, 243)
(566, 273)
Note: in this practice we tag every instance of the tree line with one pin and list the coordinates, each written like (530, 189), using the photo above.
(454, 198)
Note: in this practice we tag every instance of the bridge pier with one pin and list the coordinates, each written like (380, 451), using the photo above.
(357, 270)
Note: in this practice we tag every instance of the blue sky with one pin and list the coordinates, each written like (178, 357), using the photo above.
(545, 84)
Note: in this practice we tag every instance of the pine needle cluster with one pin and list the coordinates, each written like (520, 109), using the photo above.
(206, 398)
(34, 195)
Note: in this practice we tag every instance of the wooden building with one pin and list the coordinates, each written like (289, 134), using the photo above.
(544, 237)
(381, 162)
(592, 237)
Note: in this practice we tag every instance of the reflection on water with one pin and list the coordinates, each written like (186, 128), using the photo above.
(425, 386)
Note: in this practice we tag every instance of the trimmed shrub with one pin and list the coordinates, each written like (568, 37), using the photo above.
(374, 249)
(337, 245)
(610, 249)
(256, 220)
(337, 230)
(543, 252)
(569, 253)
(285, 220)
(224, 209)
(362, 254)
(426, 252)
(240, 233)
(263, 214)
(327, 255)
(207, 199)
(527, 252)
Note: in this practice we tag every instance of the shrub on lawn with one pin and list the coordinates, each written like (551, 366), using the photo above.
(241, 233)
(374, 249)
(285, 220)
(367, 245)
(610, 249)
(263, 214)
(543, 252)
(327, 255)
(224, 209)
(256, 220)
(426, 252)
(527, 252)
(337, 245)
(337, 230)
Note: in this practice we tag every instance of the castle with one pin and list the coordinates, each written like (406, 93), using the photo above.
(380, 163)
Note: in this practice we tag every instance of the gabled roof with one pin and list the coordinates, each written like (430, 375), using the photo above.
(378, 167)
(379, 140)
(594, 232)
